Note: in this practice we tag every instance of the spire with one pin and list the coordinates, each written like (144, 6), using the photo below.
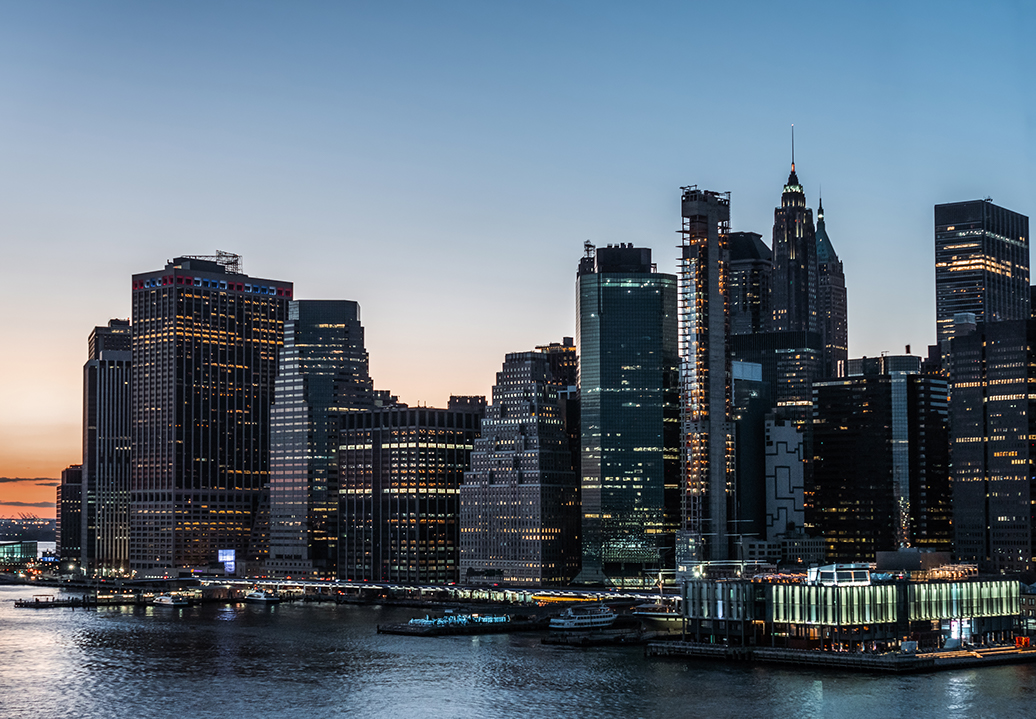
(793, 179)
(820, 204)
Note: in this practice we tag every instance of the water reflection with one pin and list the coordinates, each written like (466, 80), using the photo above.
(280, 661)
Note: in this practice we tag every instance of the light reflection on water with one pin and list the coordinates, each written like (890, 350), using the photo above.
(324, 660)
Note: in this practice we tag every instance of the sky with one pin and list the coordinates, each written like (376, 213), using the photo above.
(443, 164)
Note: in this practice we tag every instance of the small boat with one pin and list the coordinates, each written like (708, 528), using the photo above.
(661, 615)
(580, 618)
(261, 596)
(170, 600)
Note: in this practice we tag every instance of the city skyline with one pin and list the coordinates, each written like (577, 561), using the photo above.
(401, 158)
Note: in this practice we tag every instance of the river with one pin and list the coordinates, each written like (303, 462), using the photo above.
(319, 660)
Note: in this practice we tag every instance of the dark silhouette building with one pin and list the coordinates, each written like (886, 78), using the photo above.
(832, 308)
(981, 264)
(519, 503)
(794, 278)
(993, 448)
(69, 508)
(751, 266)
(400, 472)
(205, 344)
(880, 463)
(107, 440)
(630, 414)
(323, 373)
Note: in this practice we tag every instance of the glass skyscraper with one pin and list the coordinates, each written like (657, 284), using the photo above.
(323, 372)
(981, 264)
(630, 414)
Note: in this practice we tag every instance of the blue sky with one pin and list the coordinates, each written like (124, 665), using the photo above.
(442, 163)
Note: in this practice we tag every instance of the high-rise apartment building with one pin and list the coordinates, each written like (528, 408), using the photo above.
(710, 509)
(519, 503)
(880, 464)
(323, 373)
(400, 472)
(751, 266)
(626, 317)
(206, 340)
(993, 447)
(981, 264)
(832, 308)
(107, 440)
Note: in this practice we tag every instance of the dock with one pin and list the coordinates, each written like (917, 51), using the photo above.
(888, 663)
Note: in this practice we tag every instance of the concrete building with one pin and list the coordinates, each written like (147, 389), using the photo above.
(206, 338)
(107, 441)
(519, 503)
(400, 470)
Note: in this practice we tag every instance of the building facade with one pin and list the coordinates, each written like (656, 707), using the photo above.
(205, 344)
(519, 503)
(794, 278)
(993, 445)
(323, 373)
(981, 264)
(629, 391)
(880, 469)
(709, 493)
(832, 306)
(69, 510)
(751, 266)
(400, 472)
(107, 441)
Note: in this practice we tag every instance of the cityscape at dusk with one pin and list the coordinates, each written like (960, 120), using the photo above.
(477, 359)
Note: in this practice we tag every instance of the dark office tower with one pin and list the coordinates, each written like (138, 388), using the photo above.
(564, 372)
(69, 509)
(400, 471)
(709, 503)
(630, 413)
(793, 292)
(880, 468)
(994, 445)
(981, 264)
(751, 265)
(831, 300)
(519, 504)
(205, 344)
(107, 439)
(790, 361)
(323, 372)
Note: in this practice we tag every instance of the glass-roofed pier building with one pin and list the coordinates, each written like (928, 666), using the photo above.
(845, 607)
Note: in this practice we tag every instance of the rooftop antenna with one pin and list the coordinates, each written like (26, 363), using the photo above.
(793, 147)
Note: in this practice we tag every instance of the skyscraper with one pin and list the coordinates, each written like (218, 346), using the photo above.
(708, 434)
(831, 300)
(794, 279)
(751, 266)
(993, 448)
(205, 344)
(323, 373)
(69, 510)
(519, 503)
(107, 439)
(981, 264)
(400, 471)
(880, 469)
(630, 413)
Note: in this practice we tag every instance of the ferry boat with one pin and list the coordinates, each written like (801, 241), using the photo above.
(579, 618)
(261, 596)
(660, 616)
(170, 600)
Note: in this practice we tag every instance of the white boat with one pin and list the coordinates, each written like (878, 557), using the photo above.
(261, 596)
(597, 616)
(170, 600)
(662, 616)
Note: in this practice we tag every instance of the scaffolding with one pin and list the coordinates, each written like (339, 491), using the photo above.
(228, 260)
